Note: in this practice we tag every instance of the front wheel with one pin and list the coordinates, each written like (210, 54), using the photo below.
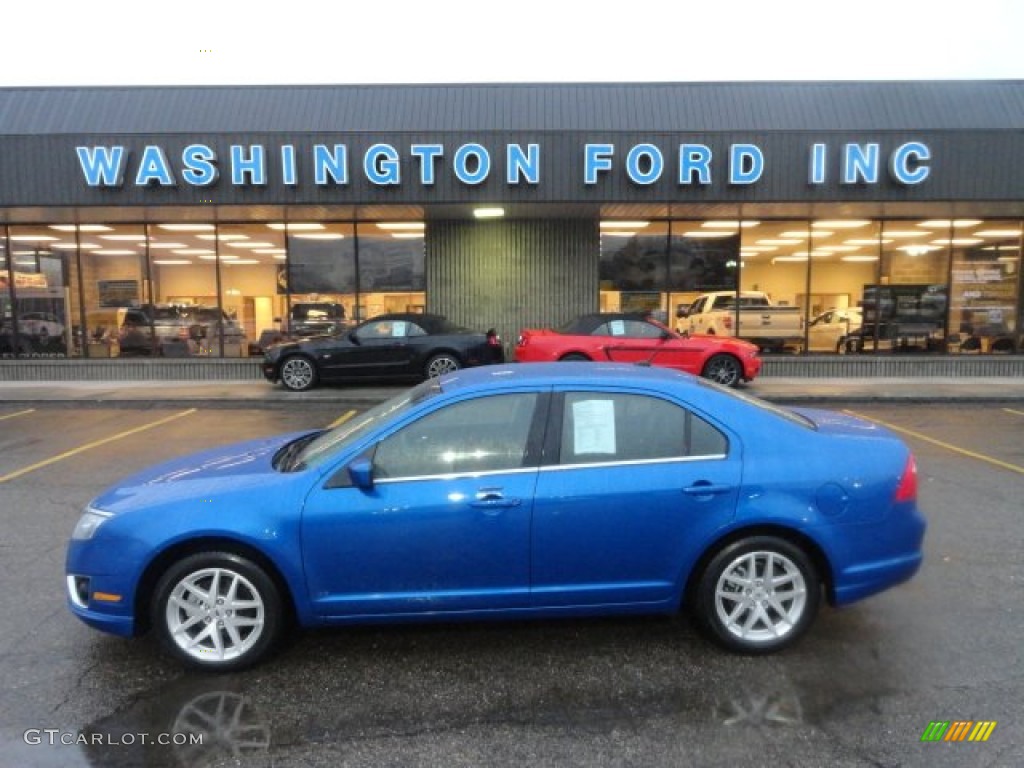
(441, 364)
(757, 595)
(217, 611)
(574, 357)
(298, 373)
(723, 369)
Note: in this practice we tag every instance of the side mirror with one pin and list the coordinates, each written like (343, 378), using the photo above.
(353, 338)
(665, 335)
(361, 472)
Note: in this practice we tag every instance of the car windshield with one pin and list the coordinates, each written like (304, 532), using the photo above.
(328, 443)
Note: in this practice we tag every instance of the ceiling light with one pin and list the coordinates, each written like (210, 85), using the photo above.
(624, 224)
(195, 252)
(34, 238)
(943, 223)
(273, 251)
(489, 213)
(296, 226)
(840, 248)
(958, 241)
(840, 224)
(171, 262)
(730, 224)
(860, 257)
(918, 250)
(780, 241)
(125, 238)
(698, 233)
(871, 241)
(187, 227)
(236, 262)
(400, 225)
(998, 233)
(251, 244)
(114, 252)
(166, 246)
(321, 236)
(622, 233)
(223, 237)
(789, 258)
(408, 235)
(81, 227)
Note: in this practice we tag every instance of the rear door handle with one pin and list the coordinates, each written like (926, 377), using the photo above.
(706, 489)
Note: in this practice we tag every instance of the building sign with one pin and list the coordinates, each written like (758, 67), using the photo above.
(471, 164)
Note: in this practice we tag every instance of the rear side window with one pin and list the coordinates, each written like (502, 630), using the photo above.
(614, 427)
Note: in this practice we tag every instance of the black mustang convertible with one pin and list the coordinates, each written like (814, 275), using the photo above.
(396, 346)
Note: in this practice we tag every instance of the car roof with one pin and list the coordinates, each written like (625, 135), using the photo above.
(566, 374)
(585, 324)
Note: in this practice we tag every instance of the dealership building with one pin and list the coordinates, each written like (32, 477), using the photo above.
(163, 226)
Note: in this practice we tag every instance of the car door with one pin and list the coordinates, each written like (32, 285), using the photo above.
(636, 484)
(376, 348)
(637, 341)
(446, 524)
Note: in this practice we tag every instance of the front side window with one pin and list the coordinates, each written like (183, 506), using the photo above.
(600, 427)
(488, 434)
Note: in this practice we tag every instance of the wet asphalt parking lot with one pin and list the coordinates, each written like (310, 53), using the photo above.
(859, 690)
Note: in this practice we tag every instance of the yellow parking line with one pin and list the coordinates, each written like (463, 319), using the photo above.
(941, 444)
(1015, 413)
(17, 413)
(341, 419)
(94, 444)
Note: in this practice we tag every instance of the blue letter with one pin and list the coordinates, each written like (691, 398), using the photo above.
(483, 163)
(746, 163)
(598, 157)
(694, 157)
(522, 165)
(327, 163)
(426, 153)
(655, 162)
(200, 170)
(899, 165)
(818, 155)
(253, 166)
(380, 164)
(102, 166)
(860, 164)
(288, 165)
(153, 167)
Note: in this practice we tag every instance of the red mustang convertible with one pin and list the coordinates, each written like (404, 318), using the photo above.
(633, 338)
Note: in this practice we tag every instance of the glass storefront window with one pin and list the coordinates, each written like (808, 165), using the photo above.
(774, 257)
(634, 266)
(38, 299)
(702, 257)
(984, 286)
(252, 305)
(320, 275)
(391, 268)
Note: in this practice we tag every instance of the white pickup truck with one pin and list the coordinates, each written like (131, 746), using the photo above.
(757, 321)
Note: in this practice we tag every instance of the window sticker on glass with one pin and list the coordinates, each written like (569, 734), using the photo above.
(618, 327)
(398, 328)
(594, 426)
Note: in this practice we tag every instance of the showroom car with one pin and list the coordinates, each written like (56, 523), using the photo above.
(634, 338)
(508, 492)
(407, 346)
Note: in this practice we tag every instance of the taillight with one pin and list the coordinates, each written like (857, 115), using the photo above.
(493, 339)
(907, 489)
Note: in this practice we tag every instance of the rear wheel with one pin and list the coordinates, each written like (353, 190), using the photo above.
(298, 373)
(441, 364)
(757, 595)
(723, 369)
(217, 611)
(574, 357)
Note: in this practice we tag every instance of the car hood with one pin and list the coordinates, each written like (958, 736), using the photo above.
(238, 468)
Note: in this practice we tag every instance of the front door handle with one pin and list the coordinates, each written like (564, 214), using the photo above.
(492, 498)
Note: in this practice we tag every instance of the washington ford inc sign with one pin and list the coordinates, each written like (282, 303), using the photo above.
(257, 165)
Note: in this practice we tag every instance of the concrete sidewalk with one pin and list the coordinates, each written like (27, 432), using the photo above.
(259, 393)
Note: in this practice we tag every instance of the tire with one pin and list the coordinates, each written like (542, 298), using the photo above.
(574, 357)
(758, 595)
(442, 363)
(234, 629)
(723, 369)
(298, 373)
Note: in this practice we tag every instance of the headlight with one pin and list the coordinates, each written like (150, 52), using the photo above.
(89, 522)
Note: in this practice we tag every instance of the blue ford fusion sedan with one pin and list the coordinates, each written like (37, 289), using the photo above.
(530, 491)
